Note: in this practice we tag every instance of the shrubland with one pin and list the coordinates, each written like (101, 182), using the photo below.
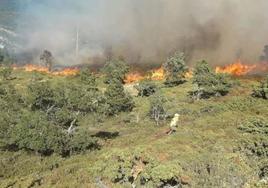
(78, 132)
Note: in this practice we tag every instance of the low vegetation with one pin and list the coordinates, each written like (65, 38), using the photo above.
(208, 83)
(175, 70)
(79, 132)
(262, 90)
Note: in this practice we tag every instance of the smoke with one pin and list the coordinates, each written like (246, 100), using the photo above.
(145, 31)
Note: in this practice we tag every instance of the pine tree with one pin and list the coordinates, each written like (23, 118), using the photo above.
(175, 70)
(117, 99)
(208, 83)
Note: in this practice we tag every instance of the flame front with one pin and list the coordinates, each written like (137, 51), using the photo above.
(236, 69)
(43, 69)
(158, 74)
(134, 77)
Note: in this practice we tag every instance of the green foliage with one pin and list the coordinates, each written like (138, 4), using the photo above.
(115, 70)
(157, 110)
(255, 145)
(12, 105)
(49, 124)
(175, 70)
(117, 99)
(166, 174)
(82, 141)
(146, 88)
(258, 143)
(262, 90)
(35, 133)
(208, 83)
(41, 96)
(87, 77)
(136, 169)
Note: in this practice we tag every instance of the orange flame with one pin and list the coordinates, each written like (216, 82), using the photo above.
(156, 75)
(43, 69)
(134, 77)
(236, 69)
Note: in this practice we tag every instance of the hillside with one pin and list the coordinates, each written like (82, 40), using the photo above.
(204, 152)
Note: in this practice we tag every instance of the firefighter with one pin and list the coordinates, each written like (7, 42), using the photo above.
(174, 124)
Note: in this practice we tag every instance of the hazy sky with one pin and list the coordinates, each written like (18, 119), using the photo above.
(147, 31)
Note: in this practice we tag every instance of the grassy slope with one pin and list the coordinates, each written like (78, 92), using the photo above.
(207, 134)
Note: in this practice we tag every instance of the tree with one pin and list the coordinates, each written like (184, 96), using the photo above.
(5, 62)
(47, 58)
(117, 99)
(87, 77)
(41, 96)
(146, 88)
(115, 70)
(157, 110)
(262, 90)
(208, 83)
(175, 70)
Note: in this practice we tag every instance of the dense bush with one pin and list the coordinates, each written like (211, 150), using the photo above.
(117, 99)
(138, 170)
(115, 70)
(258, 143)
(262, 90)
(47, 122)
(255, 144)
(87, 77)
(146, 88)
(208, 83)
(175, 70)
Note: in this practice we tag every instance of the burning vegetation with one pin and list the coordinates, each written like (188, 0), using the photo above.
(236, 69)
(69, 71)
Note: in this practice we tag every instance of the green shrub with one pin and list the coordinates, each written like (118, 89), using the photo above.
(117, 100)
(262, 90)
(146, 88)
(255, 145)
(81, 141)
(208, 83)
(175, 70)
(115, 70)
(35, 133)
(41, 96)
(87, 77)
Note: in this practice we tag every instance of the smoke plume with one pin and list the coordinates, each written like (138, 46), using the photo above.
(145, 31)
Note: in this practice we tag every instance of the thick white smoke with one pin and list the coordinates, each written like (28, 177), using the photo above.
(147, 31)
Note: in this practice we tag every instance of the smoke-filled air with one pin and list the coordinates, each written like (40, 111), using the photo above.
(148, 31)
(134, 93)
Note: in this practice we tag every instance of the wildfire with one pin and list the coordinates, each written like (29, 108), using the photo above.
(43, 69)
(156, 75)
(134, 77)
(236, 69)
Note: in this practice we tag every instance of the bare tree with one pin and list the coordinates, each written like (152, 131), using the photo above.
(47, 58)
